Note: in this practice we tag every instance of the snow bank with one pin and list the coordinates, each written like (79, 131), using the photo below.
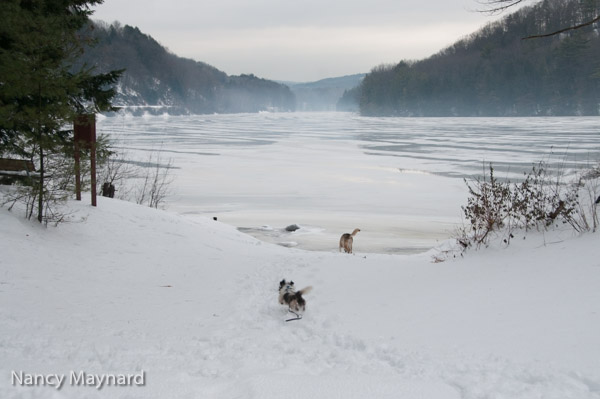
(124, 289)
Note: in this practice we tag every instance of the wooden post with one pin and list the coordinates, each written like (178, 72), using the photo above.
(77, 171)
(84, 129)
(93, 158)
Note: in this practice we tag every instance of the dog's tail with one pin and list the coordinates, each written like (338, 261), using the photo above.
(305, 290)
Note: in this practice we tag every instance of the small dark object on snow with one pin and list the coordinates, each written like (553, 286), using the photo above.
(298, 316)
(292, 227)
(108, 190)
(215, 218)
(598, 200)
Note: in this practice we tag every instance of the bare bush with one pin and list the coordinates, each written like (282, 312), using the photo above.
(488, 207)
(25, 195)
(146, 182)
(587, 218)
(542, 200)
(155, 183)
(117, 170)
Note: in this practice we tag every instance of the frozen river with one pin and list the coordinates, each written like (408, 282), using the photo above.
(400, 180)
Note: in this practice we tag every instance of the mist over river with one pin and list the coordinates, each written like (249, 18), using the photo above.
(400, 180)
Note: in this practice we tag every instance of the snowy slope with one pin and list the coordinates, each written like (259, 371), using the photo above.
(193, 303)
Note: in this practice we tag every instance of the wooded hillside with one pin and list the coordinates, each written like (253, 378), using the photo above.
(324, 94)
(494, 72)
(157, 81)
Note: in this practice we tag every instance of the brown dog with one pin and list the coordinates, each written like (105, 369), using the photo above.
(346, 241)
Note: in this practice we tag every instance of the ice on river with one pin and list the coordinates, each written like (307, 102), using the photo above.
(400, 180)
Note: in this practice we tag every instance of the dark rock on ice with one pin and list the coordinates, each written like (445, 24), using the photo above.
(292, 227)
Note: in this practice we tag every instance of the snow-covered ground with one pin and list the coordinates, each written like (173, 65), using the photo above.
(192, 303)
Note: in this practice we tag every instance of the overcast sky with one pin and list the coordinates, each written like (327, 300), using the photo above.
(299, 40)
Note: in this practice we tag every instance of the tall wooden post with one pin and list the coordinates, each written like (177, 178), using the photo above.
(84, 129)
(77, 168)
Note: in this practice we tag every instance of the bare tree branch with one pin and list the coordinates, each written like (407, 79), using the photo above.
(593, 21)
(498, 6)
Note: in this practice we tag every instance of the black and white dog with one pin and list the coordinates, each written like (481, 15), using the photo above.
(288, 295)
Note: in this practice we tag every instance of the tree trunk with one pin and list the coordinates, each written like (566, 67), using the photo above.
(40, 215)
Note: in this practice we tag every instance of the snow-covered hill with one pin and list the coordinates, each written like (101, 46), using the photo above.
(125, 289)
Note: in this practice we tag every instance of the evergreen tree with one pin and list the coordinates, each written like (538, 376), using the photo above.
(40, 90)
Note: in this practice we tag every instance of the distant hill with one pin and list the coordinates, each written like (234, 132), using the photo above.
(157, 81)
(323, 95)
(494, 72)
